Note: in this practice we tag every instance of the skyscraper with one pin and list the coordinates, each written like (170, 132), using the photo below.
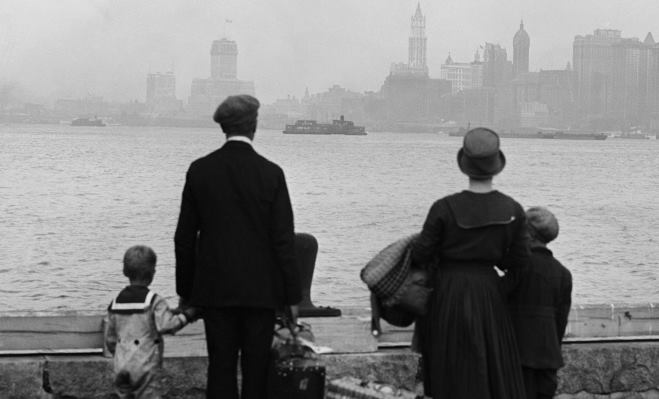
(593, 59)
(649, 90)
(616, 77)
(521, 44)
(161, 93)
(224, 59)
(417, 48)
(206, 94)
(417, 43)
(409, 94)
(497, 69)
(159, 86)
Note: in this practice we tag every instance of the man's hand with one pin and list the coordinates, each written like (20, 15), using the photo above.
(191, 313)
(182, 303)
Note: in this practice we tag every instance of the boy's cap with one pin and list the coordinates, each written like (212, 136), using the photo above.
(542, 224)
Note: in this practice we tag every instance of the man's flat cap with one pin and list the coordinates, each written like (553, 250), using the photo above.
(237, 112)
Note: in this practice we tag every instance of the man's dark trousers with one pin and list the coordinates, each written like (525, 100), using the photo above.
(230, 331)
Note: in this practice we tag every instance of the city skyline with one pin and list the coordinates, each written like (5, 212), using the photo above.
(106, 48)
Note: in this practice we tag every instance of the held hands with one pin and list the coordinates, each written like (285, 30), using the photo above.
(191, 313)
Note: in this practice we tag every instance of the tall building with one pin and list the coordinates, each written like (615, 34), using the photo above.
(497, 70)
(625, 93)
(521, 44)
(161, 93)
(649, 82)
(206, 94)
(408, 93)
(160, 85)
(593, 58)
(224, 59)
(462, 75)
(417, 48)
(417, 44)
(616, 78)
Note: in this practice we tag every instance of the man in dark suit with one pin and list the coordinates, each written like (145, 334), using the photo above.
(235, 252)
(540, 305)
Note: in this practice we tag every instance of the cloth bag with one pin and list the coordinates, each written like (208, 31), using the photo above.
(402, 290)
(287, 340)
(386, 272)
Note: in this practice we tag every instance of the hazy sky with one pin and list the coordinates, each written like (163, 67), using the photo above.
(71, 48)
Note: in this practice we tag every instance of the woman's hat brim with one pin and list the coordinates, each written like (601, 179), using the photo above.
(481, 168)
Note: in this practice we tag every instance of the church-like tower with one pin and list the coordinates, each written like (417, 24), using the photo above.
(521, 44)
(417, 48)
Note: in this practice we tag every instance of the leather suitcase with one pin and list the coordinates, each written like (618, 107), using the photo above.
(296, 378)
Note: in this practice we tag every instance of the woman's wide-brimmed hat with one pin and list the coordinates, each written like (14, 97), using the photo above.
(480, 156)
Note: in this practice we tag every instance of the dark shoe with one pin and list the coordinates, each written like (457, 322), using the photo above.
(319, 311)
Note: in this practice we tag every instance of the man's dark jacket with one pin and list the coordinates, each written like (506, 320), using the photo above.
(234, 241)
(539, 306)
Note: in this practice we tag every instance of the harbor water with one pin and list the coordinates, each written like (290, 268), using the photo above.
(72, 200)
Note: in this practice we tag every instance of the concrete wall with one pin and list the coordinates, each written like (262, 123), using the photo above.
(596, 370)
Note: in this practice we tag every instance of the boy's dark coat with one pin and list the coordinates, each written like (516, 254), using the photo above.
(539, 306)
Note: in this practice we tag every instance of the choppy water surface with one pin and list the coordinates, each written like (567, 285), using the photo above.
(73, 199)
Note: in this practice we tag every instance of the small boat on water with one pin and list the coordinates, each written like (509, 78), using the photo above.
(340, 126)
(87, 122)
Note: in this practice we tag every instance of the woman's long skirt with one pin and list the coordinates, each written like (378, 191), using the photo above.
(466, 339)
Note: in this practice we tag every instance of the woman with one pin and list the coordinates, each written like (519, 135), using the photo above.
(466, 339)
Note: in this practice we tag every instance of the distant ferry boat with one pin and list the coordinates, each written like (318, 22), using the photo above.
(87, 122)
(554, 134)
(340, 126)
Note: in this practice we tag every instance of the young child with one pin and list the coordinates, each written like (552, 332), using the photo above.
(539, 307)
(135, 322)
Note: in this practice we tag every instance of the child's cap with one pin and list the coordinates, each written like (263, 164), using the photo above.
(542, 224)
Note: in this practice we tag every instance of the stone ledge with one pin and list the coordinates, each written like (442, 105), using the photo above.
(22, 378)
(78, 376)
(593, 371)
(651, 394)
(607, 368)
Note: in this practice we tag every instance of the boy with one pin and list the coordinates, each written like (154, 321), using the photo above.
(135, 322)
(539, 307)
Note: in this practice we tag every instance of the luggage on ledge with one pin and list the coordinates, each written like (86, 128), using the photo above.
(295, 372)
(296, 378)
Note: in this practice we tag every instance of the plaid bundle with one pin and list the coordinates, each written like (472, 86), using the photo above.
(386, 272)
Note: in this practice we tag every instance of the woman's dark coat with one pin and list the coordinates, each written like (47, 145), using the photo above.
(467, 340)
